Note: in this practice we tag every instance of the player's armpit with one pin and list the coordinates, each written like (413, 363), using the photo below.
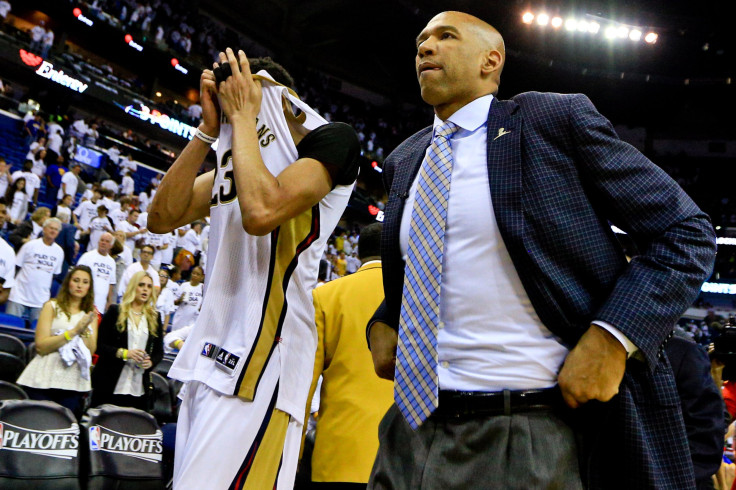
(170, 208)
(300, 186)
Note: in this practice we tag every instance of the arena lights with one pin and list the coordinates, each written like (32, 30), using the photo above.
(375, 166)
(719, 288)
(130, 42)
(589, 24)
(163, 120)
(77, 12)
(177, 66)
(46, 70)
(722, 240)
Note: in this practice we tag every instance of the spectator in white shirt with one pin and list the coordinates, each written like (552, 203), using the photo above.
(70, 182)
(99, 225)
(87, 210)
(4, 10)
(121, 214)
(79, 129)
(113, 153)
(190, 300)
(195, 112)
(32, 180)
(39, 167)
(7, 259)
(127, 163)
(38, 260)
(192, 240)
(54, 144)
(127, 187)
(143, 265)
(131, 229)
(5, 178)
(103, 271)
(48, 42)
(63, 210)
(36, 147)
(37, 34)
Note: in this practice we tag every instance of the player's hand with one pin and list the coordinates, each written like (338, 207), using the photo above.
(384, 340)
(208, 100)
(240, 95)
(593, 369)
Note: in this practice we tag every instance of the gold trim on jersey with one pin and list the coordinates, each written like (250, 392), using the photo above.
(288, 241)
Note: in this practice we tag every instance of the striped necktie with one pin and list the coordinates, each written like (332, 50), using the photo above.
(416, 380)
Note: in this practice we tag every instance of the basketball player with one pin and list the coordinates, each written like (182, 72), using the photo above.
(280, 186)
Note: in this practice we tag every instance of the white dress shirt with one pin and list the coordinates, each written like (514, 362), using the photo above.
(490, 338)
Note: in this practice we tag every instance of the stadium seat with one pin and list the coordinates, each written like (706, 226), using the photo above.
(107, 430)
(12, 321)
(30, 352)
(163, 367)
(44, 438)
(163, 407)
(10, 391)
(11, 366)
(12, 345)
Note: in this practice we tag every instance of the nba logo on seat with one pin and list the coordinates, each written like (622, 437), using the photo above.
(94, 438)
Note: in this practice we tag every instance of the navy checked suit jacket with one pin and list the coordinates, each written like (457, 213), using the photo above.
(557, 178)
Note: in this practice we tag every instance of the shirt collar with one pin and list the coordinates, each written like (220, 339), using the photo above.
(471, 116)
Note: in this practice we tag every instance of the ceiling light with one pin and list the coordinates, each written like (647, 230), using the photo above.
(556, 22)
(571, 24)
(527, 18)
(635, 35)
(542, 19)
(651, 37)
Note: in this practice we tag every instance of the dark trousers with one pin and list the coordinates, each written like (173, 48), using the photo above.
(528, 450)
(73, 400)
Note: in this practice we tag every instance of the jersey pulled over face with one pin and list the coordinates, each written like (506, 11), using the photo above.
(257, 312)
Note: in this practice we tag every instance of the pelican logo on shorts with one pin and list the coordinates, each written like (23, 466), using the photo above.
(147, 447)
(55, 443)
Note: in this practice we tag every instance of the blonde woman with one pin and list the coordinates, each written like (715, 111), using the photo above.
(130, 344)
(66, 338)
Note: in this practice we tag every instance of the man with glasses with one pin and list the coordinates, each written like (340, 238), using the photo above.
(143, 265)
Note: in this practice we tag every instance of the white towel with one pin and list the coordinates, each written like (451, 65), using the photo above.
(76, 351)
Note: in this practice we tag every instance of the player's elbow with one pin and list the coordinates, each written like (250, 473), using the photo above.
(156, 223)
(258, 223)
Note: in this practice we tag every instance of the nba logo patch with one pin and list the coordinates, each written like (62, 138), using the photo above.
(94, 438)
(207, 349)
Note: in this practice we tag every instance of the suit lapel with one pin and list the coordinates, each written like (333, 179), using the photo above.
(504, 171)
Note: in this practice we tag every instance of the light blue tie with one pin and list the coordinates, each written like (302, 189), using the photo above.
(416, 383)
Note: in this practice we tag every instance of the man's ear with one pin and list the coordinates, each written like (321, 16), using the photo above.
(492, 62)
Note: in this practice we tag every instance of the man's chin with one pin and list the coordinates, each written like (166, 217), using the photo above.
(431, 95)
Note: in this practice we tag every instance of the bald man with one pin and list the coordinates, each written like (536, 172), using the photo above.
(103, 271)
(526, 351)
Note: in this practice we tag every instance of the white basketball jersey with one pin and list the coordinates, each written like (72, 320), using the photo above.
(257, 307)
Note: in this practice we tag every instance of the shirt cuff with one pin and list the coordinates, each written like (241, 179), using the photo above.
(631, 349)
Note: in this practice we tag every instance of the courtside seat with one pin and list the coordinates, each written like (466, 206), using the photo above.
(11, 366)
(163, 367)
(11, 391)
(12, 345)
(123, 449)
(163, 405)
(39, 446)
(12, 321)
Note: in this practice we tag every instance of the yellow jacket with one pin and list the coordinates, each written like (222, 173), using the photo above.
(353, 399)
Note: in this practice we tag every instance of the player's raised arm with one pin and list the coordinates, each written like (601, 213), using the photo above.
(183, 197)
(265, 201)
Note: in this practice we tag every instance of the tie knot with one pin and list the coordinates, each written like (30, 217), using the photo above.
(446, 130)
